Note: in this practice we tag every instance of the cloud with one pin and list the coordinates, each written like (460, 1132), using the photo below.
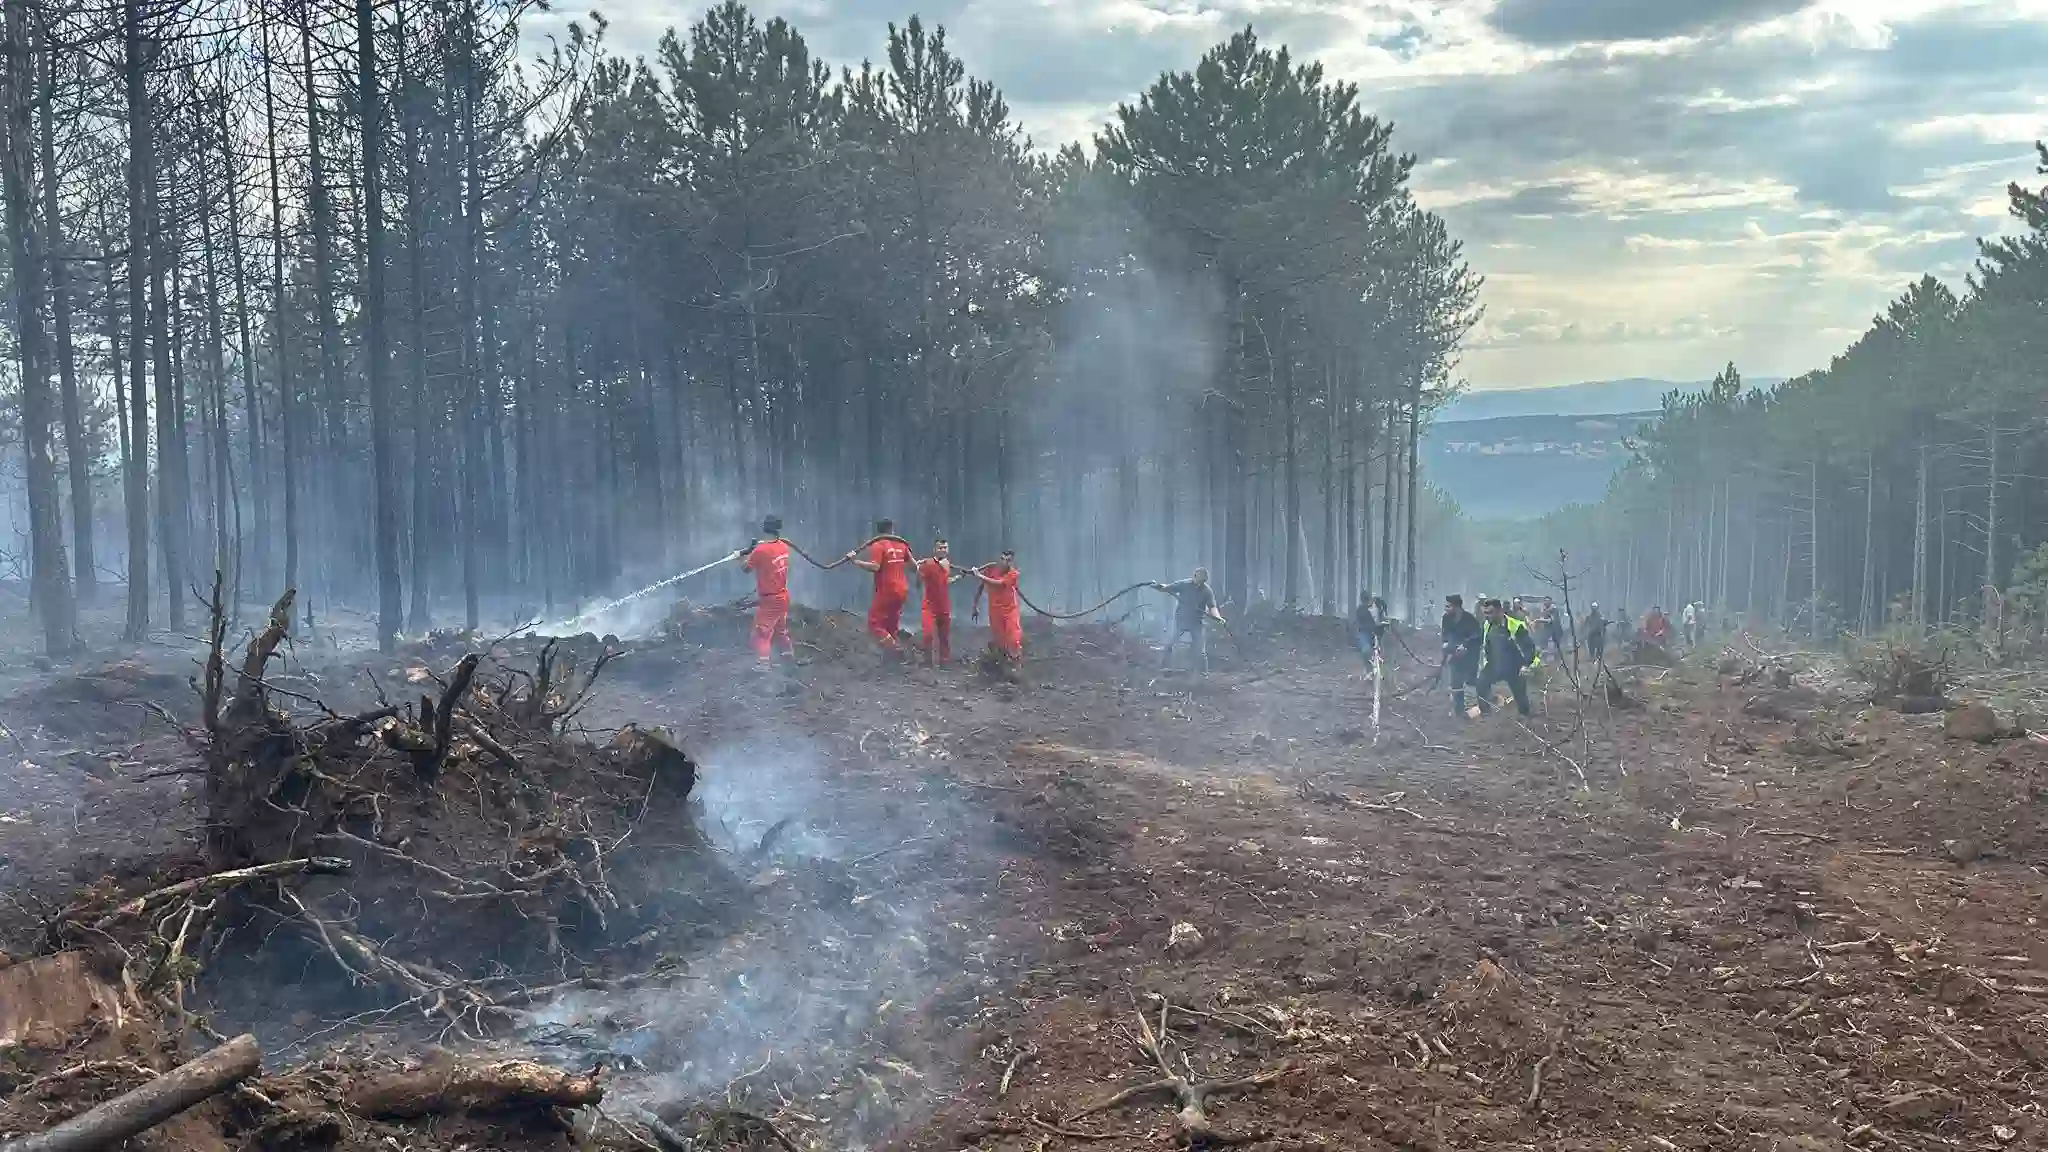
(1598, 21)
(1991, 127)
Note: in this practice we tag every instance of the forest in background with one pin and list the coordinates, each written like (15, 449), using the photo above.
(350, 297)
(1904, 486)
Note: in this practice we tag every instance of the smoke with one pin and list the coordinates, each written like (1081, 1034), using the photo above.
(747, 789)
(1135, 357)
(814, 998)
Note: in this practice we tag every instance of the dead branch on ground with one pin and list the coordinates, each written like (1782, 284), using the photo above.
(448, 1086)
(134, 1112)
(1191, 1098)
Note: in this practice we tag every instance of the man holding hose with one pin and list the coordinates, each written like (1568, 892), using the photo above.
(1194, 606)
(936, 575)
(768, 560)
(889, 560)
(1005, 612)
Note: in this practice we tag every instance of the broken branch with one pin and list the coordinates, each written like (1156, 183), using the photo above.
(218, 881)
(137, 1111)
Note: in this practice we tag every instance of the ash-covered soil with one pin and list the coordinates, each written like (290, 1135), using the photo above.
(1688, 925)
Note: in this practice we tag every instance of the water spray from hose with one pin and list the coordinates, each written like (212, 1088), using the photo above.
(565, 626)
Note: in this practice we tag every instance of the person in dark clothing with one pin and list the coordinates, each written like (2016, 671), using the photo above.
(1596, 633)
(1194, 606)
(1369, 622)
(1506, 649)
(1461, 636)
(1551, 629)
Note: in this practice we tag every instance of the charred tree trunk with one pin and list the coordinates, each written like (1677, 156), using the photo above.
(1408, 588)
(116, 355)
(216, 372)
(321, 213)
(252, 410)
(419, 614)
(281, 333)
(376, 348)
(1991, 521)
(472, 374)
(77, 448)
(1920, 614)
(1388, 497)
(174, 487)
(1332, 582)
(136, 57)
(50, 583)
(1283, 366)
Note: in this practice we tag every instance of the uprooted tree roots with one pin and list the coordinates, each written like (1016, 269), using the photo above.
(418, 848)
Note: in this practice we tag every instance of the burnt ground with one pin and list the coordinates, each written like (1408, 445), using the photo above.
(1819, 931)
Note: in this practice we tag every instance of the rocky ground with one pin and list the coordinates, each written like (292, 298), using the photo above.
(970, 913)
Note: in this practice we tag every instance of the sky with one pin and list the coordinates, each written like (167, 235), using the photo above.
(1650, 187)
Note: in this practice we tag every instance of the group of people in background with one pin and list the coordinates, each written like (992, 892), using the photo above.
(1505, 642)
(1500, 645)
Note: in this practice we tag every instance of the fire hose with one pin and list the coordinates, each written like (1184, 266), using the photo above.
(824, 567)
(1084, 612)
(869, 542)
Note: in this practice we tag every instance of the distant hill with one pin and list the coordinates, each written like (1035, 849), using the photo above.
(1594, 398)
(1522, 452)
(1525, 466)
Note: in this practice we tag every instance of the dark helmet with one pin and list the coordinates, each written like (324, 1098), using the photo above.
(771, 524)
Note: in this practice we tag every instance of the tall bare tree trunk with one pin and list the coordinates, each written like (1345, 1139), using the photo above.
(252, 409)
(1332, 579)
(287, 384)
(1388, 495)
(77, 448)
(1281, 352)
(116, 347)
(1991, 522)
(216, 372)
(472, 369)
(1813, 554)
(419, 613)
(1920, 616)
(50, 582)
(1408, 588)
(136, 57)
(330, 488)
(376, 346)
(1866, 620)
(173, 486)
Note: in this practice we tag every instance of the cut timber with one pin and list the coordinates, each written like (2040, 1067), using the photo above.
(46, 1001)
(144, 1108)
(448, 1085)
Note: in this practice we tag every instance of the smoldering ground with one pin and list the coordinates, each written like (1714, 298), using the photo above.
(829, 999)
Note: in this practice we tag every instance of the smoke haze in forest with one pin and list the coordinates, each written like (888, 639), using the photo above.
(350, 301)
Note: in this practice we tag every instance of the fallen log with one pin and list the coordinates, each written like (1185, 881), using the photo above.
(446, 1086)
(146, 1107)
